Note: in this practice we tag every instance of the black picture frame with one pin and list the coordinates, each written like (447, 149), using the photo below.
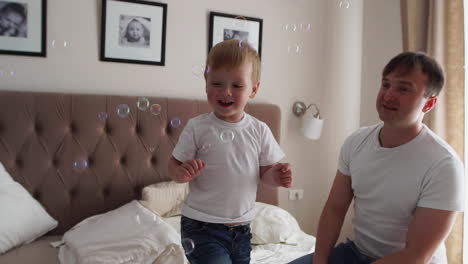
(224, 26)
(29, 38)
(133, 31)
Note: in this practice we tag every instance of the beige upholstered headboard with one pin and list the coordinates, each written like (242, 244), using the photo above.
(43, 134)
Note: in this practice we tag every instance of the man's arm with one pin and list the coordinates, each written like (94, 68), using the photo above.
(427, 230)
(332, 217)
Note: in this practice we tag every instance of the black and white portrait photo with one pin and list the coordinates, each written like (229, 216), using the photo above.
(134, 31)
(235, 34)
(13, 19)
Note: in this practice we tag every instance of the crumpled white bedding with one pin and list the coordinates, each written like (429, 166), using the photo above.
(132, 234)
(272, 253)
(129, 234)
(283, 253)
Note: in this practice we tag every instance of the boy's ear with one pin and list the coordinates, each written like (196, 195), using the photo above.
(430, 103)
(254, 90)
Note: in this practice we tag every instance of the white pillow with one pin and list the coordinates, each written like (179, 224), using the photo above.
(23, 218)
(128, 234)
(165, 198)
(273, 225)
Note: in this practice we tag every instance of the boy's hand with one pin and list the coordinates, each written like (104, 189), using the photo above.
(282, 174)
(189, 170)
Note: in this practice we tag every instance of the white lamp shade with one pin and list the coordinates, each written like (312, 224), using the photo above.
(311, 126)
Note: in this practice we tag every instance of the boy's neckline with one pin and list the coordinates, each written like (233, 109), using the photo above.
(240, 123)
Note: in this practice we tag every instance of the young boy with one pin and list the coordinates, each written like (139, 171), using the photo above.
(12, 20)
(224, 154)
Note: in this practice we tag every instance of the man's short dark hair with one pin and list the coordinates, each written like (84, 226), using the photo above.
(408, 61)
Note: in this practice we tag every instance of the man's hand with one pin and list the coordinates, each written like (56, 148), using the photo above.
(188, 170)
(282, 174)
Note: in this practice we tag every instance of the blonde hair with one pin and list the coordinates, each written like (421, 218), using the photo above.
(232, 54)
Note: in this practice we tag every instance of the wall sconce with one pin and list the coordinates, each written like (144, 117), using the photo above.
(311, 122)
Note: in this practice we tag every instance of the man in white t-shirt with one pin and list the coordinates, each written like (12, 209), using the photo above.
(406, 182)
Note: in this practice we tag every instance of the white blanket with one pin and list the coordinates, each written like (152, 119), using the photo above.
(278, 253)
(129, 234)
(272, 253)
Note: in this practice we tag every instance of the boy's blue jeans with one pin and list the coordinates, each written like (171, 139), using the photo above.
(344, 253)
(217, 243)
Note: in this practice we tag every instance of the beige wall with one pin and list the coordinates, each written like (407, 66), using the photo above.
(306, 76)
(382, 40)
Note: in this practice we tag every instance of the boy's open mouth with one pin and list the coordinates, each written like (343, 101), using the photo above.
(225, 103)
(391, 108)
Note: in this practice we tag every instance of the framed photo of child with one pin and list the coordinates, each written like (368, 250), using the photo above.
(23, 27)
(229, 26)
(133, 31)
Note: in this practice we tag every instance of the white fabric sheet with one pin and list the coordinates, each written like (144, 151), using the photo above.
(129, 234)
(272, 253)
(278, 253)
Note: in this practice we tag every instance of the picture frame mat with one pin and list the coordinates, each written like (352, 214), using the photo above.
(33, 42)
(113, 12)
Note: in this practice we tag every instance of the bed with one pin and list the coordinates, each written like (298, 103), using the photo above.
(82, 155)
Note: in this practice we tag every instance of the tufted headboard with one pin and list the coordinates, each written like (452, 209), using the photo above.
(43, 134)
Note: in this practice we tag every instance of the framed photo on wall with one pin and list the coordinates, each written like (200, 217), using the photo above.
(229, 26)
(23, 27)
(133, 31)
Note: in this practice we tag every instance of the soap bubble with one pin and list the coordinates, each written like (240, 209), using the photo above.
(188, 245)
(204, 148)
(294, 49)
(137, 219)
(305, 27)
(198, 70)
(80, 165)
(103, 116)
(175, 122)
(240, 21)
(227, 135)
(344, 4)
(185, 138)
(123, 110)
(142, 103)
(155, 109)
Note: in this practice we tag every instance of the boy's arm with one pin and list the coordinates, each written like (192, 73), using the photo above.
(184, 171)
(332, 217)
(275, 175)
(427, 230)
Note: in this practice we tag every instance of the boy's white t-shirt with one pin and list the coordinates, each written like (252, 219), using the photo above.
(390, 183)
(225, 191)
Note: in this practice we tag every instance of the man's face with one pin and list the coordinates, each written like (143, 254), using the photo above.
(10, 20)
(401, 99)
